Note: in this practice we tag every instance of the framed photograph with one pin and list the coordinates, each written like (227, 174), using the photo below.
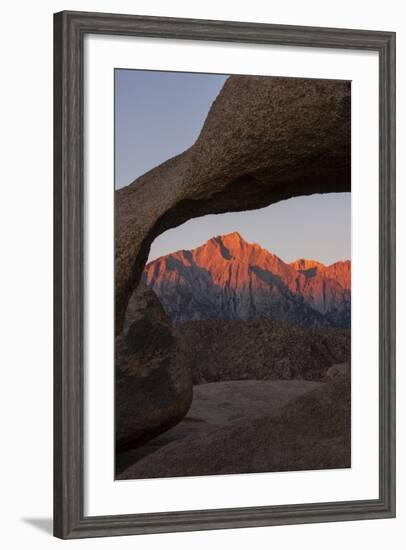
(224, 275)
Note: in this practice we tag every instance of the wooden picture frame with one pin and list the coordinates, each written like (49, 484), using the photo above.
(70, 29)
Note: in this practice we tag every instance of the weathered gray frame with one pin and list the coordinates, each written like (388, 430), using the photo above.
(69, 31)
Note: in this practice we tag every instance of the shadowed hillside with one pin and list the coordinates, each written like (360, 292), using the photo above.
(261, 349)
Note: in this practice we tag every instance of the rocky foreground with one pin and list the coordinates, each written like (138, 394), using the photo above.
(293, 411)
(251, 426)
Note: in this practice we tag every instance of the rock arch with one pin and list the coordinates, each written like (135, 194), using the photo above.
(264, 140)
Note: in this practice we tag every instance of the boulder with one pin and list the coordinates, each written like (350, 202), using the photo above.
(153, 383)
(265, 139)
(340, 369)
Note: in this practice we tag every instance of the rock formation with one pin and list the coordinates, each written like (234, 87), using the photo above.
(215, 405)
(309, 433)
(264, 140)
(228, 278)
(341, 369)
(153, 388)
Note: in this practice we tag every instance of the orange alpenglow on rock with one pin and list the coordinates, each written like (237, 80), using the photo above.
(229, 278)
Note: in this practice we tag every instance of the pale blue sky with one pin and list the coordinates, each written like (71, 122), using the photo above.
(159, 115)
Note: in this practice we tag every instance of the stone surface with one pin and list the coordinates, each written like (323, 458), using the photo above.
(229, 278)
(264, 140)
(340, 369)
(215, 405)
(153, 389)
(312, 431)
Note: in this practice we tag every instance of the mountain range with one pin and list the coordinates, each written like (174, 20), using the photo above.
(229, 278)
